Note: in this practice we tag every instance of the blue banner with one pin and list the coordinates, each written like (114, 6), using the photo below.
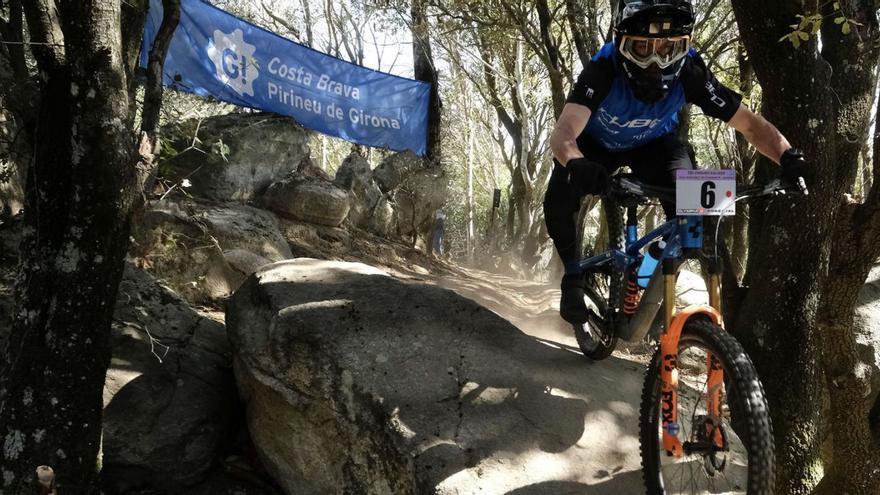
(214, 53)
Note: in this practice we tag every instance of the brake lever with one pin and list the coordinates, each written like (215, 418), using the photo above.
(802, 185)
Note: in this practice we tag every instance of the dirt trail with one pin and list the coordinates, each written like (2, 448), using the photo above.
(603, 457)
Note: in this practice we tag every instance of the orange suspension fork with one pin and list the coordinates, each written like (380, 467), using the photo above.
(669, 366)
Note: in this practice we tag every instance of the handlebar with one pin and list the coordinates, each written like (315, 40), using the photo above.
(627, 186)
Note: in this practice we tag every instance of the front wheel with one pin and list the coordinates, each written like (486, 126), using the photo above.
(730, 453)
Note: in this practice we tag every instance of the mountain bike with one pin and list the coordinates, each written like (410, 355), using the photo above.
(704, 425)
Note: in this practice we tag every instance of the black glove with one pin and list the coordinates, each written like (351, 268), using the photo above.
(588, 176)
(794, 166)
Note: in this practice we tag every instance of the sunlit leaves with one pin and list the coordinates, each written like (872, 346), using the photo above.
(810, 25)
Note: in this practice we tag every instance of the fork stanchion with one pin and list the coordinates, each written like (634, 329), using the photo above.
(715, 270)
(670, 268)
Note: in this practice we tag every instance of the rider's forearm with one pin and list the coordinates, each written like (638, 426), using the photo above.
(763, 135)
(563, 140)
(564, 148)
(769, 141)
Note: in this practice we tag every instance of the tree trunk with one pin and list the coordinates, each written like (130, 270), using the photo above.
(79, 197)
(856, 238)
(855, 454)
(425, 70)
(776, 321)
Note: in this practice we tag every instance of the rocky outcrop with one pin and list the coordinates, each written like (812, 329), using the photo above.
(316, 241)
(205, 251)
(354, 382)
(370, 209)
(169, 396)
(235, 156)
(417, 198)
(395, 168)
(308, 199)
(415, 192)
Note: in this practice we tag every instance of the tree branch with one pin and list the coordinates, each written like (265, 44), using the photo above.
(153, 89)
(44, 25)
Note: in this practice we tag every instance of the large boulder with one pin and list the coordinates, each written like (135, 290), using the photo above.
(169, 396)
(235, 156)
(205, 251)
(308, 199)
(355, 382)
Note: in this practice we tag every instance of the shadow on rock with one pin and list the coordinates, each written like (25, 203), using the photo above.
(412, 387)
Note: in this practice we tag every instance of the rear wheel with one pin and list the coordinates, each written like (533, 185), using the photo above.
(730, 454)
(597, 338)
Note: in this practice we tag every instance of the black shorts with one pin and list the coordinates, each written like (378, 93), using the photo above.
(654, 163)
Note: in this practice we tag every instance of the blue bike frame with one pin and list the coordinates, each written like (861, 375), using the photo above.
(679, 233)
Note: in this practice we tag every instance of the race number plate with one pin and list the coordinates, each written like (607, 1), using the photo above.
(705, 192)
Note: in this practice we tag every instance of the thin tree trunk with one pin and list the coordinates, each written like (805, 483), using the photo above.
(425, 70)
(470, 189)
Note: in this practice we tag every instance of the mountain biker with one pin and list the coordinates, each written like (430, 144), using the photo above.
(623, 110)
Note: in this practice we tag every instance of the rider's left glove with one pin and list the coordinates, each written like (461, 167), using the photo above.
(794, 165)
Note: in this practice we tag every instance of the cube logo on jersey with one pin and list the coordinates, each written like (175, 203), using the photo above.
(613, 121)
(233, 60)
(714, 97)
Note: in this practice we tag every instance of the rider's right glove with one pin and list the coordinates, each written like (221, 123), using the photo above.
(587, 175)
(794, 165)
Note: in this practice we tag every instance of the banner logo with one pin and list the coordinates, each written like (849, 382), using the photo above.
(233, 60)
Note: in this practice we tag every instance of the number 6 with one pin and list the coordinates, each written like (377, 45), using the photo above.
(707, 194)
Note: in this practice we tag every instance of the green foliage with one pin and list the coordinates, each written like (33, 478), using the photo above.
(808, 26)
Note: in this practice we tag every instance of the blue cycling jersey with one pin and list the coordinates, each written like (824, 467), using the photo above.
(621, 122)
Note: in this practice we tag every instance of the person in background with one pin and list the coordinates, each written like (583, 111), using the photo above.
(437, 237)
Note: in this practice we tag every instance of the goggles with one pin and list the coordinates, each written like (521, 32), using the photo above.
(663, 52)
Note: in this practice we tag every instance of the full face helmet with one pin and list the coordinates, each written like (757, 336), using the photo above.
(653, 38)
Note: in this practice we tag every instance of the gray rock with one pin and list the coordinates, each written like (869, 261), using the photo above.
(308, 168)
(354, 171)
(243, 261)
(355, 176)
(169, 395)
(395, 168)
(241, 154)
(316, 241)
(382, 220)
(308, 199)
(416, 199)
(354, 382)
(187, 244)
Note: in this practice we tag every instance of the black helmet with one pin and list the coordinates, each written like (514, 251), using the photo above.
(653, 39)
